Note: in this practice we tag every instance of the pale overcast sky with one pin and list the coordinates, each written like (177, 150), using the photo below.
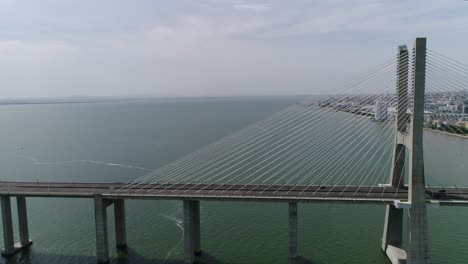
(210, 47)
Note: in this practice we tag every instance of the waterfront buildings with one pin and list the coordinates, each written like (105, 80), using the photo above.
(447, 110)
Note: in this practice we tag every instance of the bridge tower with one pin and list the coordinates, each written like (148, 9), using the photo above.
(392, 240)
(408, 141)
(417, 213)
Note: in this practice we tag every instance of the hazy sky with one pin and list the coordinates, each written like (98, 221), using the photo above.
(209, 47)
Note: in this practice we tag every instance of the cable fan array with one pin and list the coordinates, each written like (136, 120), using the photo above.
(335, 141)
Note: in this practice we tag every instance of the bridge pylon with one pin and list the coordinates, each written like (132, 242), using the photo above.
(392, 240)
(417, 213)
(408, 141)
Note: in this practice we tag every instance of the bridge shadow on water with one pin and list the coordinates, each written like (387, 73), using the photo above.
(301, 260)
(29, 256)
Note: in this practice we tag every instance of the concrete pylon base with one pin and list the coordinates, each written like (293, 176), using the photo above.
(121, 247)
(122, 251)
(18, 247)
(396, 255)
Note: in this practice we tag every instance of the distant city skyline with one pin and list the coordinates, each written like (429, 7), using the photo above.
(182, 48)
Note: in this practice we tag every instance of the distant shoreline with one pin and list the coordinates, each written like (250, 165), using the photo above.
(63, 102)
(7, 102)
(446, 133)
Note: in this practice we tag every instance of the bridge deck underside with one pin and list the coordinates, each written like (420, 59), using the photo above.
(355, 194)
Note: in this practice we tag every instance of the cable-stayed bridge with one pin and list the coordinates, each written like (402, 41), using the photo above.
(363, 143)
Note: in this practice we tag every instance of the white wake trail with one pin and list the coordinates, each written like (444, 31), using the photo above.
(37, 162)
(179, 223)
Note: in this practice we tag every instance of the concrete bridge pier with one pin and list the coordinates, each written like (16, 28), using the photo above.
(8, 237)
(23, 221)
(192, 240)
(100, 214)
(292, 232)
(392, 240)
(120, 226)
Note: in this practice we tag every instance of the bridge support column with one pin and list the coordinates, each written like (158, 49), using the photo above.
(393, 235)
(417, 214)
(292, 232)
(8, 238)
(7, 227)
(120, 228)
(23, 221)
(100, 214)
(393, 228)
(192, 240)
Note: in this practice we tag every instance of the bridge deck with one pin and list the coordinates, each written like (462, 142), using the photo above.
(353, 194)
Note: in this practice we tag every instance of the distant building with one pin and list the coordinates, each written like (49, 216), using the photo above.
(427, 116)
(448, 108)
(462, 124)
(391, 112)
(380, 110)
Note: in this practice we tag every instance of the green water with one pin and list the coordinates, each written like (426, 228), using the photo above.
(121, 141)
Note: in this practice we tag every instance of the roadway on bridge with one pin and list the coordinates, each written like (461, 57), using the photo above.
(353, 194)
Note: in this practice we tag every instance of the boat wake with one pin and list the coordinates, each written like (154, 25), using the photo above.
(179, 223)
(38, 162)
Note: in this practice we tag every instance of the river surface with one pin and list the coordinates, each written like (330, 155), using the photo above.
(121, 141)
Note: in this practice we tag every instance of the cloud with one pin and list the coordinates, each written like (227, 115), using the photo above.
(193, 37)
(373, 17)
(252, 7)
(198, 56)
(26, 53)
(213, 47)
